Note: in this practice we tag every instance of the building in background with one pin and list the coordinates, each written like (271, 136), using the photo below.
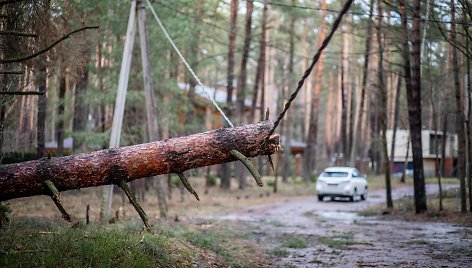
(429, 151)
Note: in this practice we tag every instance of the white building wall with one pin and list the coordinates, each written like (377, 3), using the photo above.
(402, 139)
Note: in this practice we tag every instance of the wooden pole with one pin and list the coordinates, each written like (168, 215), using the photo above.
(138, 161)
(151, 109)
(120, 103)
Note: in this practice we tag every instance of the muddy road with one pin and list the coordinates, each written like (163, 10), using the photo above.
(308, 233)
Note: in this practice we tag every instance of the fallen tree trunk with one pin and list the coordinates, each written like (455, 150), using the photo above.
(133, 162)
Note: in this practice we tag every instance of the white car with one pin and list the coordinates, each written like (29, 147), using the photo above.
(342, 182)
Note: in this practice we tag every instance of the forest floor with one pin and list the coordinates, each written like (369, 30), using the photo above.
(250, 228)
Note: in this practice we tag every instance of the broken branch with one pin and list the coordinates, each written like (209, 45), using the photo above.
(132, 198)
(56, 197)
(187, 185)
(249, 166)
(138, 161)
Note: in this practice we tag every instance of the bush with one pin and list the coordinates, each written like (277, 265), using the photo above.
(212, 180)
(16, 157)
(4, 212)
(175, 181)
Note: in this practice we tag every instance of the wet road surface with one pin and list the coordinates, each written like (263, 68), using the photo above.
(309, 233)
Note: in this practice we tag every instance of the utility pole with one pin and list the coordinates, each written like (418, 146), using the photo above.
(107, 194)
(151, 109)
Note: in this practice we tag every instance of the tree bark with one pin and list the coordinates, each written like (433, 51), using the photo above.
(461, 157)
(383, 109)
(42, 102)
(405, 163)
(469, 130)
(226, 168)
(80, 107)
(413, 83)
(309, 157)
(396, 118)
(133, 162)
(260, 69)
(241, 96)
(436, 144)
(61, 115)
(151, 109)
(286, 166)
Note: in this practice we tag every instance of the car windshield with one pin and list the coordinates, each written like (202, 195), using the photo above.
(335, 174)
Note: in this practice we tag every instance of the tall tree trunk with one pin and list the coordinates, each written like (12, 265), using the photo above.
(396, 118)
(226, 168)
(241, 96)
(461, 154)
(436, 145)
(469, 125)
(383, 108)
(344, 94)
(80, 107)
(260, 69)
(365, 77)
(413, 83)
(288, 120)
(61, 115)
(151, 109)
(309, 158)
(3, 84)
(343, 110)
(194, 51)
(407, 155)
(42, 102)
(101, 86)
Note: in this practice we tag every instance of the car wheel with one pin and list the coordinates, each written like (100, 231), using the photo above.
(320, 198)
(354, 196)
(364, 196)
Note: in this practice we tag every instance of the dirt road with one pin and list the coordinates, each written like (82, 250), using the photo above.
(308, 233)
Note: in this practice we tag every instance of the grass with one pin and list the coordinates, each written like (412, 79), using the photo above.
(292, 241)
(279, 253)
(309, 214)
(339, 240)
(419, 242)
(276, 224)
(34, 242)
(218, 242)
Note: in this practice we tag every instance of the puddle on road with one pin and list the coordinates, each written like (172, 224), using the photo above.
(347, 217)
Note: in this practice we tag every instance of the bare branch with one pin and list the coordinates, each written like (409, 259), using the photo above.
(6, 2)
(21, 93)
(66, 36)
(11, 72)
(441, 30)
(16, 33)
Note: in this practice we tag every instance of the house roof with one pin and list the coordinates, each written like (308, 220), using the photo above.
(68, 142)
(293, 143)
(219, 95)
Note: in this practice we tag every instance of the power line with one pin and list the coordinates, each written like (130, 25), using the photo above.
(354, 12)
(188, 65)
(269, 44)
